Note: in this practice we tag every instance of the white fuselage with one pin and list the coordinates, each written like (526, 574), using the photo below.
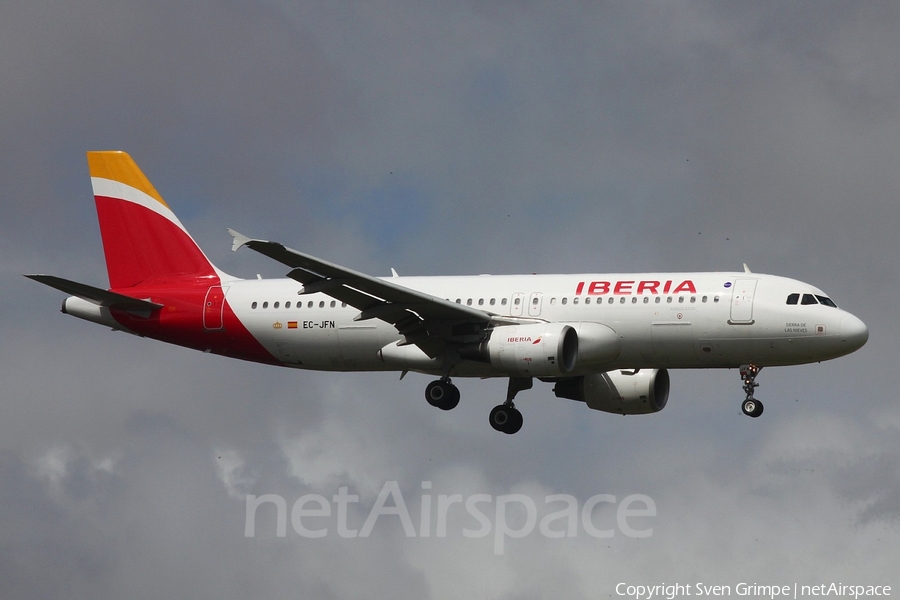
(663, 320)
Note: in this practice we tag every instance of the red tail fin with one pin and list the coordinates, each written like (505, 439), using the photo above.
(143, 240)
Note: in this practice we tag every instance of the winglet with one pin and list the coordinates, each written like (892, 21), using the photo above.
(239, 240)
(747, 269)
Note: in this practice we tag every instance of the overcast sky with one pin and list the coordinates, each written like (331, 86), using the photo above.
(447, 138)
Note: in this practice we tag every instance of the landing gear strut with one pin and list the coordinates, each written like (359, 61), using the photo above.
(505, 417)
(442, 394)
(751, 406)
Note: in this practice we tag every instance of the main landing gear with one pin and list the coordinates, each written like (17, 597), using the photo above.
(505, 417)
(442, 394)
(751, 406)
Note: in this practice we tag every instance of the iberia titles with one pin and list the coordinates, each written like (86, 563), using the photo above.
(628, 288)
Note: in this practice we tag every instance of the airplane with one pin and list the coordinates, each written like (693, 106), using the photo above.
(607, 340)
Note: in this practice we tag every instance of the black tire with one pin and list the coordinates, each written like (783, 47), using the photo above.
(435, 392)
(442, 394)
(506, 419)
(515, 421)
(499, 417)
(759, 409)
(752, 407)
(451, 398)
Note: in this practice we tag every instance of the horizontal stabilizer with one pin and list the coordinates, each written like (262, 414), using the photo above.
(97, 296)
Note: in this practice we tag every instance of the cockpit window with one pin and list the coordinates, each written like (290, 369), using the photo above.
(793, 298)
(826, 301)
(808, 299)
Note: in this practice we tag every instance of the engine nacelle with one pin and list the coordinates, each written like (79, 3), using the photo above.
(647, 391)
(598, 345)
(539, 350)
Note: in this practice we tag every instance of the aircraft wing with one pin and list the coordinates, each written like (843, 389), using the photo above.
(424, 320)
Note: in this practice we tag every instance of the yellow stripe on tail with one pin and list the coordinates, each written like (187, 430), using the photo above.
(116, 165)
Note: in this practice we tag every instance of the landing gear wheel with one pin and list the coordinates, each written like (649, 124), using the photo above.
(442, 394)
(506, 419)
(752, 407)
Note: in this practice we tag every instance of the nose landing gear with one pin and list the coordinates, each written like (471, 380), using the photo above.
(751, 406)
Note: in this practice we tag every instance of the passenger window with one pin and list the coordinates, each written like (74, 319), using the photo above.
(680, 299)
(611, 300)
(321, 304)
(808, 299)
(657, 300)
(310, 305)
(517, 301)
(459, 300)
(634, 299)
(552, 301)
(287, 304)
(481, 302)
(503, 302)
(646, 299)
(793, 298)
(587, 300)
(253, 305)
(669, 299)
(575, 300)
(493, 301)
(703, 299)
(333, 303)
(469, 302)
(693, 299)
(564, 300)
(534, 301)
(265, 305)
(622, 300)
(275, 305)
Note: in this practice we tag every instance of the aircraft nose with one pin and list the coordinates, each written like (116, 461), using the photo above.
(854, 332)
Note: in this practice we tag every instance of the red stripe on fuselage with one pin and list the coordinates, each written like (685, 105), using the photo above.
(148, 256)
(180, 321)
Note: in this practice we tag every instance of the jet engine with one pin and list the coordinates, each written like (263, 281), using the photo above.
(539, 350)
(598, 345)
(620, 392)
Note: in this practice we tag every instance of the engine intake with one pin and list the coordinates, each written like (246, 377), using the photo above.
(644, 392)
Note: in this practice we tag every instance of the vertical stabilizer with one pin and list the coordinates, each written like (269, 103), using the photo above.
(143, 240)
